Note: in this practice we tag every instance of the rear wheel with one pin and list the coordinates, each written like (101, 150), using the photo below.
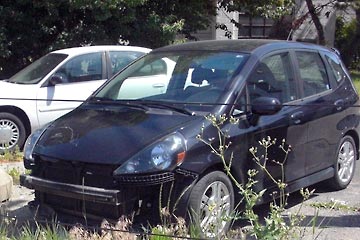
(212, 203)
(12, 132)
(344, 164)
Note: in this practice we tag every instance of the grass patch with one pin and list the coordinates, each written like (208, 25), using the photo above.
(335, 205)
(11, 156)
(355, 76)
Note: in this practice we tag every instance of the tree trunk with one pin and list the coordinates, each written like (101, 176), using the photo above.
(316, 20)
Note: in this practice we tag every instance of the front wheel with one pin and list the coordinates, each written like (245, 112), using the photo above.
(211, 204)
(12, 132)
(344, 164)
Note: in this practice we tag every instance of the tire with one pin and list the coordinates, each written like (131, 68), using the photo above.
(209, 210)
(344, 164)
(12, 132)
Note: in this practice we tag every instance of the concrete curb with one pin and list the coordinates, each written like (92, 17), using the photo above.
(6, 184)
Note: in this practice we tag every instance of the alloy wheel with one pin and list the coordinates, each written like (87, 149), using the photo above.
(215, 208)
(346, 161)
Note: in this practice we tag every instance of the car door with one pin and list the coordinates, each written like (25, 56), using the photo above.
(70, 85)
(274, 77)
(323, 109)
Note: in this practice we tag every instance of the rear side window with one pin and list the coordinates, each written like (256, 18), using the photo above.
(120, 59)
(336, 69)
(312, 73)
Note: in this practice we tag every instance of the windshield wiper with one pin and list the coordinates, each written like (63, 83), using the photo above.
(167, 106)
(128, 103)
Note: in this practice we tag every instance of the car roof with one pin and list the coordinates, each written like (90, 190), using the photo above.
(239, 45)
(90, 49)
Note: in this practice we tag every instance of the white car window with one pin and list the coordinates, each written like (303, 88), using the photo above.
(120, 59)
(82, 68)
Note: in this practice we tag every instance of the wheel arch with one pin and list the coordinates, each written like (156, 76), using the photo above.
(18, 112)
(355, 137)
(240, 177)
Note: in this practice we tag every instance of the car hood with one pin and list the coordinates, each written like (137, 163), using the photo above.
(13, 90)
(107, 135)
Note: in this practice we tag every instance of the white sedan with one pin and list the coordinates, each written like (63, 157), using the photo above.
(54, 85)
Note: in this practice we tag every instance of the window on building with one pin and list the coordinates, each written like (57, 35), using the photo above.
(254, 27)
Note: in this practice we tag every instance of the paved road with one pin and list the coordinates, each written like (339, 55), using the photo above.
(342, 223)
(339, 224)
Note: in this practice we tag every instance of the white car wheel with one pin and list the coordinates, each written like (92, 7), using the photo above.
(12, 132)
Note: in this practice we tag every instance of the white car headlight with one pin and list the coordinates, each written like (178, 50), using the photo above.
(165, 154)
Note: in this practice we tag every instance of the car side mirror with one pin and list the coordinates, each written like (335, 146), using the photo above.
(56, 79)
(265, 106)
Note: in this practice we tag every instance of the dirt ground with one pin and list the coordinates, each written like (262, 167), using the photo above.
(342, 223)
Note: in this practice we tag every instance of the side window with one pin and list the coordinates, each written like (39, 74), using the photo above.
(86, 67)
(336, 69)
(312, 73)
(273, 77)
(120, 59)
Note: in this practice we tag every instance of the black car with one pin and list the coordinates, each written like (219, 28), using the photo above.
(132, 146)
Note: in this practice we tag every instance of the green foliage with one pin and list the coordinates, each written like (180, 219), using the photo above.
(335, 205)
(346, 42)
(27, 232)
(277, 224)
(355, 76)
(11, 155)
(53, 232)
(274, 9)
(15, 174)
(30, 29)
(265, 8)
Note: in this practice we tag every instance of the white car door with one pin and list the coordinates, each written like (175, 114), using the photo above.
(71, 84)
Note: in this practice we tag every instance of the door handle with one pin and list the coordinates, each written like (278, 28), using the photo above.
(158, 85)
(339, 104)
(297, 117)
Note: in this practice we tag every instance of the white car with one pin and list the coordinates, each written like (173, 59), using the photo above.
(54, 85)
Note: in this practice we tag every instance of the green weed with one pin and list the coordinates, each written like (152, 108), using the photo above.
(11, 155)
(335, 205)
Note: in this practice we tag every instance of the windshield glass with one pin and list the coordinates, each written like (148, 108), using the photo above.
(196, 79)
(36, 71)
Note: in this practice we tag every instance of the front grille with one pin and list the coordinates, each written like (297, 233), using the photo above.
(94, 175)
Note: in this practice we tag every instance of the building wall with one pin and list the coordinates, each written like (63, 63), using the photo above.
(306, 32)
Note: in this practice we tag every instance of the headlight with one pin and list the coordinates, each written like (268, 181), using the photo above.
(165, 154)
(29, 147)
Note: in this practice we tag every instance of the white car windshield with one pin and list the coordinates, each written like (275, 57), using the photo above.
(183, 77)
(36, 71)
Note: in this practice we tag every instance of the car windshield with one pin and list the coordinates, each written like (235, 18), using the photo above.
(36, 71)
(192, 79)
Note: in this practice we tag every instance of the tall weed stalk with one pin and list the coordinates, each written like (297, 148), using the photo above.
(278, 224)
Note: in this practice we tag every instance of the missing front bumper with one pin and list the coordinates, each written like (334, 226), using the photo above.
(85, 193)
